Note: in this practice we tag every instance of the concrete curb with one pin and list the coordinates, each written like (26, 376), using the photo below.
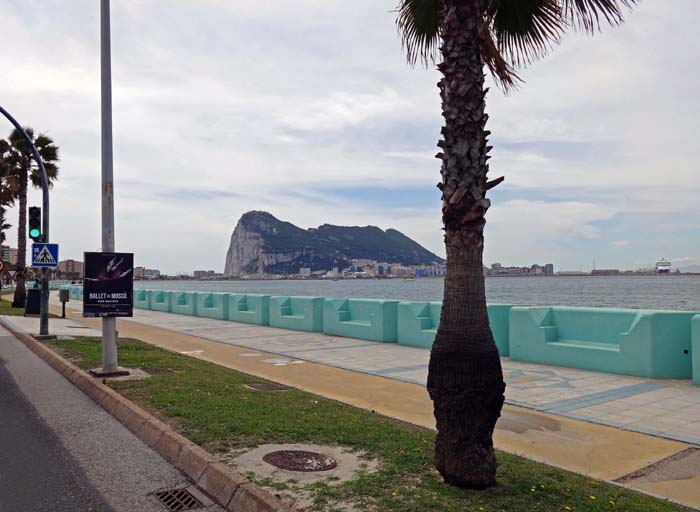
(228, 488)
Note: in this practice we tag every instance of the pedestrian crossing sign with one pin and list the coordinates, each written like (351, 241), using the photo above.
(45, 255)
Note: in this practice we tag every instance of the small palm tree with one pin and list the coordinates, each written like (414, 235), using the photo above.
(465, 379)
(20, 169)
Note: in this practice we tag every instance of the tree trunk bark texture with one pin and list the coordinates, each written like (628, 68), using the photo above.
(20, 291)
(465, 379)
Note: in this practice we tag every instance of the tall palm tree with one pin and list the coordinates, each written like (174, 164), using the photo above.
(465, 379)
(21, 169)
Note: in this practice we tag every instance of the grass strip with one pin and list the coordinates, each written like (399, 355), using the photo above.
(211, 406)
(7, 309)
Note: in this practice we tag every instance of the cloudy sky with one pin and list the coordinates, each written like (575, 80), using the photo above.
(306, 109)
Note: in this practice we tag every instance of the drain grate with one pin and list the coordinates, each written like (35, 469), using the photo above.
(178, 499)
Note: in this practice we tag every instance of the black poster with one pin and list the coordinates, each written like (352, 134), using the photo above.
(108, 287)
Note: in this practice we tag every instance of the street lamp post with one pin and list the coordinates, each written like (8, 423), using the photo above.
(109, 324)
(44, 311)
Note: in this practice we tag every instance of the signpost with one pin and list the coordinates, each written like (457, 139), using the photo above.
(108, 286)
(45, 255)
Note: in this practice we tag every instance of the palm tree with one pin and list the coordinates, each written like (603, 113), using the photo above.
(21, 169)
(465, 379)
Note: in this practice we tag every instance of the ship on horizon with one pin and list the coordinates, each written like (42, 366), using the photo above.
(663, 266)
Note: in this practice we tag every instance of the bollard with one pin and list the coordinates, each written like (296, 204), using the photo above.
(63, 296)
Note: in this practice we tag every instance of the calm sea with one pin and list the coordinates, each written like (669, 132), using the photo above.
(640, 292)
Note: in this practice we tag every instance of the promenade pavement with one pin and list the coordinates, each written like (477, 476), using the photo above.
(542, 418)
(62, 452)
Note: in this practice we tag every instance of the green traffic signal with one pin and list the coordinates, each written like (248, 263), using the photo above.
(35, 223)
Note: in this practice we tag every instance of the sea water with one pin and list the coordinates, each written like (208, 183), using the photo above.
(678, 292)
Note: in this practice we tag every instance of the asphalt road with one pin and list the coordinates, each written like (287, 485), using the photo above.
(59, 451)
(36, 471)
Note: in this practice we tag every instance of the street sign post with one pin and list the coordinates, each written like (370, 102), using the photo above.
(45, 255)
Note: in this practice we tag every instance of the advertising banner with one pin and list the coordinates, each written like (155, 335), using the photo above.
(108, 287)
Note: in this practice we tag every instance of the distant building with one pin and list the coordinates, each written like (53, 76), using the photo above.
(151, 273)
(9, 254)
(305, 271)
(605, 272)
(495, 266)
(139, 273)
(70, 269)
(200, 274)
(536, 270)
(549, 269)
(398, 270)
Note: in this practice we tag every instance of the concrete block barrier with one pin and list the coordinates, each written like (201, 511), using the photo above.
(213, 305)
(249, 308)
(297, 313)
(161, 300)
(695, 349)
(644, 343)
(184, 303)
(142, 299)
(367, 319)
(418, 323)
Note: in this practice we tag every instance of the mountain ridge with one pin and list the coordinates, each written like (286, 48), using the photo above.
(261, 243)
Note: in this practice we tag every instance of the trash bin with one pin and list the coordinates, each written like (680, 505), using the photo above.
(33, 304)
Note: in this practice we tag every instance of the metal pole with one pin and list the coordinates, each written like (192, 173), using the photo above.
(109, 325)
(44, 312)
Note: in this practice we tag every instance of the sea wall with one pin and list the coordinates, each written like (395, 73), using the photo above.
(644, 343)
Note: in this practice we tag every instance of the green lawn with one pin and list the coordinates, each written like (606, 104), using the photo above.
(7, 309)
(209, 405)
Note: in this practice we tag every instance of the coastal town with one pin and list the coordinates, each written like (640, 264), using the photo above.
(70, 270)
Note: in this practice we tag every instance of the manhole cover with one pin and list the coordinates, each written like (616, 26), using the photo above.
(299, 460)
(178, 499)
(267, 386)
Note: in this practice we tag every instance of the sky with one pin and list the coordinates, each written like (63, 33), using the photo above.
(307, 109)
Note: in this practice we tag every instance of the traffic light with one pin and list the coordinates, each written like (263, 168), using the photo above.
(35, 224)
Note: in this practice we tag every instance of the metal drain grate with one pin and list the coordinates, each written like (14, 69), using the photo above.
(178, 499)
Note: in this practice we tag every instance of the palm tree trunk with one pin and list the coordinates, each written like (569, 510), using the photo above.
(465, 379)
(20, 292)
(2, 224)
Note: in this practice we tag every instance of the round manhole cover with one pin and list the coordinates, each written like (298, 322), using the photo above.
(299, 460)
(267, 386)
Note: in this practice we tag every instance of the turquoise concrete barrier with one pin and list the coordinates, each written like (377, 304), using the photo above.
(297, 313)
(184, 303)
(75, 292)
(418, 323)
(161, 300)
(695, 350)
(213, 305)
(631, 342)
(142, 299)
(249, 308)
(367, 319)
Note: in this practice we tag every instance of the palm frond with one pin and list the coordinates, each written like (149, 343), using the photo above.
(525, 30)
(418, 24)
(587, 15)
(502, 71)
